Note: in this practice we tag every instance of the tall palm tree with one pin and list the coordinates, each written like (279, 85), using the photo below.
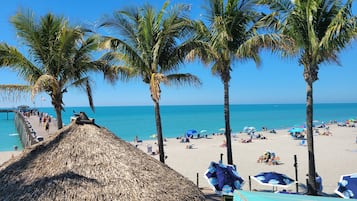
(58, 57)
(232, 34)
(320, 29)
(152, 45)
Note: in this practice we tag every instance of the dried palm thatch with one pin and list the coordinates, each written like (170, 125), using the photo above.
(14, 92)
(86, 162)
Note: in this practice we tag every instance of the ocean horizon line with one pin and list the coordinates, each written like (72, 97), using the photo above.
(144, 105)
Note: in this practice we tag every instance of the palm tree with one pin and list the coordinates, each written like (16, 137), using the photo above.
(58, 57)
(152, 45)
(231, 35)
(320, 29)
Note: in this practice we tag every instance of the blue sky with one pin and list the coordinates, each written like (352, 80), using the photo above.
(276, 81)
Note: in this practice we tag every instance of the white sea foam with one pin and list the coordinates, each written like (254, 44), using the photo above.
(13, 134)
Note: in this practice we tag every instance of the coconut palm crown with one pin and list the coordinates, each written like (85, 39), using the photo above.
(320, 29)
(58, 57)
(232, 34)
(151, 45)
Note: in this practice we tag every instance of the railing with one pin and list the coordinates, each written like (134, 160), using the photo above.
(7, 111)
(25, 130)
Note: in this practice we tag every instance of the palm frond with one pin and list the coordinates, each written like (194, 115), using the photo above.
(124, 22)
(26, 28)
(183, 80)
(273, 42)
(203, 51)
(282, 7)
(89, 94)
(341, 30)
(11, 58)
(129, 54)
(114, 72)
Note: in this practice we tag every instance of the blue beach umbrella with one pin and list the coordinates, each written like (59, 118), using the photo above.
(249, 129)
(190, 133)
(296, 130)
(347, 186)
(273, 179)
(223, 178)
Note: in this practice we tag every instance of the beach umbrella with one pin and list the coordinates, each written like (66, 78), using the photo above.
(249, 129)
(190, 133)
(88, 162)
(273, 179)
(296, 130)
(224, 179)
(347, 186)
(222, 129)
(203, 131)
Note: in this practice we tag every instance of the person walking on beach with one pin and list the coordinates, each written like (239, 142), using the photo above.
(47, 126)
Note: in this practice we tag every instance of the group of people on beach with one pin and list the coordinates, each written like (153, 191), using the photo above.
(270, 158)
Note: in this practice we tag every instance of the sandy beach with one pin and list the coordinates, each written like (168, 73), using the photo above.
(6, 155)
(335, 155)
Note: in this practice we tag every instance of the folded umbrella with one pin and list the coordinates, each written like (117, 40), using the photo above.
(223, 178)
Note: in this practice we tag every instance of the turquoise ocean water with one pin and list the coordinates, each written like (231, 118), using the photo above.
(8, 134)
(130, 121)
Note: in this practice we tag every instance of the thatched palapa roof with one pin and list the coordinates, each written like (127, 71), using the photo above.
(87, 162)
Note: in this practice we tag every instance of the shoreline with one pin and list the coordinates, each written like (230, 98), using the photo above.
(177, 119)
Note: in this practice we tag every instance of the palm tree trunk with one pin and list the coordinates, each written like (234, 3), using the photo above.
(227, 122)
(56, 100)
(59, 117)
(312, 188)
(160, 141)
